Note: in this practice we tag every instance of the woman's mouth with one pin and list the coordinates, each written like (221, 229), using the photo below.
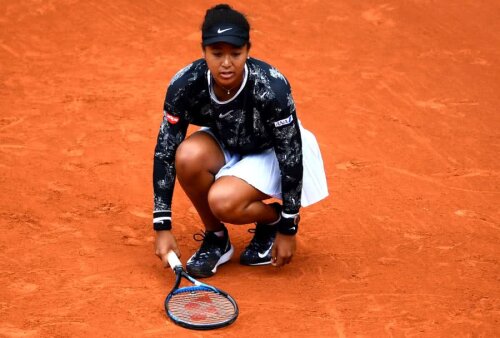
(226, 75)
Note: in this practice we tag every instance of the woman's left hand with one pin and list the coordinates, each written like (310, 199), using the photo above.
(283, 249)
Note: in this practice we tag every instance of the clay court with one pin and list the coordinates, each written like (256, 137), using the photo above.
(403, 97)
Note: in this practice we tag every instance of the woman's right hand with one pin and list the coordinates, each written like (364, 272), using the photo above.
(165, 242)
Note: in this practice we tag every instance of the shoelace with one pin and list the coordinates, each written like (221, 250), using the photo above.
(200, 236)
(208, 239)
(256, 240)
(254, 243)
(206, 243)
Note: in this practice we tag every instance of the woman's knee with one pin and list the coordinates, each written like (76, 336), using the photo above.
(224, 204)
(198, 153)
(189, 157)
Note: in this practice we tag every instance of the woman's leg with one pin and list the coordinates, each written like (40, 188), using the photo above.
(197, 160)
(233, 200)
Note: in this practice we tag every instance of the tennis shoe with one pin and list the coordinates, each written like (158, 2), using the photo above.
(213, 252)
(259, 251)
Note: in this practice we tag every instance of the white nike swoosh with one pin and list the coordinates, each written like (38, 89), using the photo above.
(265, 253)
(223, 30)
(222, 115)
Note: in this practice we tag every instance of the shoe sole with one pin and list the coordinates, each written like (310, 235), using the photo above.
(257, 264)
(224, 258)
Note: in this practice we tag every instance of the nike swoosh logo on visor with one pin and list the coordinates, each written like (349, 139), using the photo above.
(220, 31)
(265, 253)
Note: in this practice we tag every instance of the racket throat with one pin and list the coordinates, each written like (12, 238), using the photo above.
(178, 277)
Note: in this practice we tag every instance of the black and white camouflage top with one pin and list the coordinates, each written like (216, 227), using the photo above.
(260, 116)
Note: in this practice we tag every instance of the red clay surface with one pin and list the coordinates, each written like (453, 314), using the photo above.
(402, 95)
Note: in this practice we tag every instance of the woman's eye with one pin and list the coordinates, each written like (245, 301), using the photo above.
(236, 54)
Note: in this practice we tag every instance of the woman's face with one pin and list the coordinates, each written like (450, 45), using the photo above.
(226, 63)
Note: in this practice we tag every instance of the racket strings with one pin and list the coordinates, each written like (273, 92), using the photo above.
(201, 307)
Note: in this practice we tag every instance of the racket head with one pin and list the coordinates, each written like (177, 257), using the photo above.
(201, 307)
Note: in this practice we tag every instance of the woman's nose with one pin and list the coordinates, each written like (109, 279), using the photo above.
(226, 62)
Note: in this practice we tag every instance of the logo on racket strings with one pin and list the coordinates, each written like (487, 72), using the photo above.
(201, 308)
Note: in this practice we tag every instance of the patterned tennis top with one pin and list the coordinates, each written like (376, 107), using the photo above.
(260, 116)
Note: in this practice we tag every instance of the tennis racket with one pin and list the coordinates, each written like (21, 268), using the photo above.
(198, 306)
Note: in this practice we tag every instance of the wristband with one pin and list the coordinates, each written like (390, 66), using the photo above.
(288, 224)
(162, 220)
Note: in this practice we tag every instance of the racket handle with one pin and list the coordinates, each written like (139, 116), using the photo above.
(173, 260)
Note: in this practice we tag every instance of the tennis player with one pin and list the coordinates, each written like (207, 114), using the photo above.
(251, 147)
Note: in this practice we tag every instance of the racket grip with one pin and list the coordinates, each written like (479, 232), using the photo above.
(173, 260)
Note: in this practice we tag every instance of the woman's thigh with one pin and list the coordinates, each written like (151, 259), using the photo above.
(234, 192)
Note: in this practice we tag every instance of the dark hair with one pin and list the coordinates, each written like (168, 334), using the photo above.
(225, 14)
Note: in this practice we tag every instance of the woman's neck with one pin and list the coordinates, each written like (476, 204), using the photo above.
(225, 93)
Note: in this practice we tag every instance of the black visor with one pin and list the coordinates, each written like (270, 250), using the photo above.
(231, 34)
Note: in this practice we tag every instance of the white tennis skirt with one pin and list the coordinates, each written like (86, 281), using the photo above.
(262, 170)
